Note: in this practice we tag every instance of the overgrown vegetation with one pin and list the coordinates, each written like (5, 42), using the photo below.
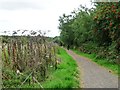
(36, 62)
(93, 31)
(27, 60)
(66, 75)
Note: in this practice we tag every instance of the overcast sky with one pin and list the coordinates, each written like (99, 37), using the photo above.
(36, 14)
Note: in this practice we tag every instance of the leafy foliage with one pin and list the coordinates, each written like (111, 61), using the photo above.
(95, 30)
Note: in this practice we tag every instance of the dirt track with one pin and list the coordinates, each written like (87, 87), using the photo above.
(93, 75)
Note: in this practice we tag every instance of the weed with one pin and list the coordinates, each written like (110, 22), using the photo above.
(64, 76)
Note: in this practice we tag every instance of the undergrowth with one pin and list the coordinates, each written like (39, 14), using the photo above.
(66, 74)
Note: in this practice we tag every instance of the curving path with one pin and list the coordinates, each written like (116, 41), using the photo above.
(93, 75)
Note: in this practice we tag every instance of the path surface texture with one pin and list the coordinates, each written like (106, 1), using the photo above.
(93, 75)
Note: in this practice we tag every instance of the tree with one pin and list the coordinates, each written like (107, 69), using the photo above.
(67, 33)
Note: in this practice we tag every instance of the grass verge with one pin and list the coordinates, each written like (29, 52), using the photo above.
(103, 62)
(66, 74)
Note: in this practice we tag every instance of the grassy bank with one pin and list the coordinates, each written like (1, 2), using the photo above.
(103, 62)
(66, 74)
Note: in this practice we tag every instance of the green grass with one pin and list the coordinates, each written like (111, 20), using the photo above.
(103, 62)
(66, 74)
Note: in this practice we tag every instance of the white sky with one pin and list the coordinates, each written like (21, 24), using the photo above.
(36, 14)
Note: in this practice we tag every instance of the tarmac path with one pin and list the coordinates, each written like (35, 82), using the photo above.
(92, 75)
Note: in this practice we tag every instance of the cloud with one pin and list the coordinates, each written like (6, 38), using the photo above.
(22, 4)
(35, 14)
